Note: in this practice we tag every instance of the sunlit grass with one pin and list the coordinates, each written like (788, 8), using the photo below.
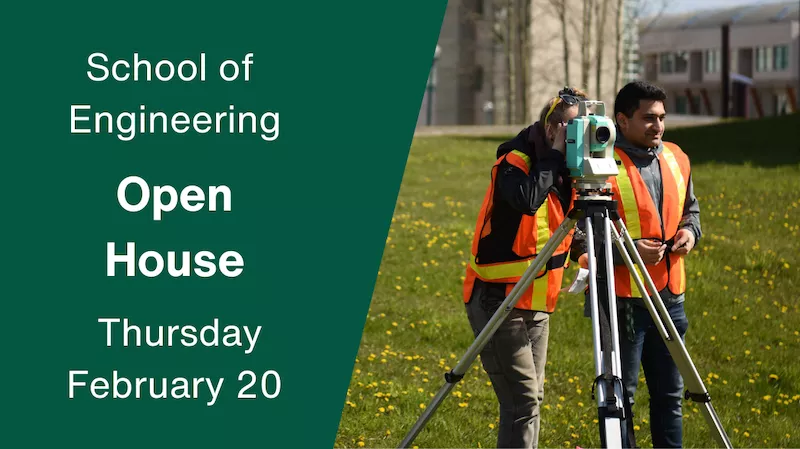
(742, 303)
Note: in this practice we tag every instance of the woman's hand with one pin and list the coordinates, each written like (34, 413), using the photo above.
(560, 139)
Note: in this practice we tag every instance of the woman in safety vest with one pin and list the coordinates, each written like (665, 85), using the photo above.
(529, 195)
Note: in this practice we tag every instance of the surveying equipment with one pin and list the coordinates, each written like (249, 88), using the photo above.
(590, 144)
(590, 156)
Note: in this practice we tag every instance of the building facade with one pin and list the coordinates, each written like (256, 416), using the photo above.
(459, 83)
(472, 81)
(683, 54)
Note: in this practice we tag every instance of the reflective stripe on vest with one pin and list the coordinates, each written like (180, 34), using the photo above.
(672, 163)
(532, 234)
(630, 214)
(504, 271)
(642, 217)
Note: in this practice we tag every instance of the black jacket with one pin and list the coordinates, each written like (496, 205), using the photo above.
(517, 193)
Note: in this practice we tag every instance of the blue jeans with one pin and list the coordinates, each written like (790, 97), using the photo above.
(664, 381)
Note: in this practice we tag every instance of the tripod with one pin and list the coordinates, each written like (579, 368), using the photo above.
(598, 211)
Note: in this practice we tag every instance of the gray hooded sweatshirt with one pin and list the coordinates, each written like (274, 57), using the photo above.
(646, 160)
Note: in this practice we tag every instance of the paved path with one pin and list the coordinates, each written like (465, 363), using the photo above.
(674, 121)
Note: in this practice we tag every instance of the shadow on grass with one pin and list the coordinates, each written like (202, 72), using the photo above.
(768, 142)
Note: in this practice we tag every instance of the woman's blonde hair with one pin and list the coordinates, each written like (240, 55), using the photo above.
(553, 111)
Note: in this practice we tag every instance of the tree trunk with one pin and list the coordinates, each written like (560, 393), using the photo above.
(525, 59)
(602, 6)
(519, 59)
(561, 8)
(509, 49)
(620, 48)
(586, 51)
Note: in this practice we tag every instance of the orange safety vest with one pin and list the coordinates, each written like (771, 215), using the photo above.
(641, 217)
(531, 236)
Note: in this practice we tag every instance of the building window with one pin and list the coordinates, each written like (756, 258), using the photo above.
(677, 62)
(681, 62)
(478, 79)
(781, 104)
(764, 58)
(780, 57)
(760, 59)
(665, 63)
(713, 60)
(681, 104)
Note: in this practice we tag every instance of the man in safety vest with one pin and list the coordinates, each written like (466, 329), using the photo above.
(528, 197)
(656, 201)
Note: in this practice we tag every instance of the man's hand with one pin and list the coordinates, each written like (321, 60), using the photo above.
(684, 242)
(651, 251)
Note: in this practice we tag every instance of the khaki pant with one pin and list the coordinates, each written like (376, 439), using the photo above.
(514, 358)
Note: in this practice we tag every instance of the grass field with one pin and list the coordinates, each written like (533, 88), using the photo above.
(742, 303)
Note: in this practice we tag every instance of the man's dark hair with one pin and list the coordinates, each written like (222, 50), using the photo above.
(629, 96)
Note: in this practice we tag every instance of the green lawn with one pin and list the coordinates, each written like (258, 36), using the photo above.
(744, 331)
